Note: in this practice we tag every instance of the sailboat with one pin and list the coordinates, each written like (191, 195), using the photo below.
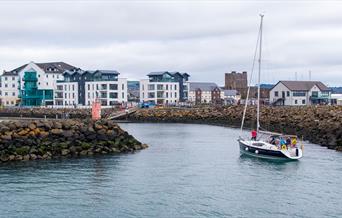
(274, 145)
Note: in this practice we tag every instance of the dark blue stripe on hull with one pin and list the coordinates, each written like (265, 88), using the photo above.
(261, 152)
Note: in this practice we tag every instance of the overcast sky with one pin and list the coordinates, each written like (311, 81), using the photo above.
(205, 39)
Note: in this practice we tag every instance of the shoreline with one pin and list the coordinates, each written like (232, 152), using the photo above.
(318, 125)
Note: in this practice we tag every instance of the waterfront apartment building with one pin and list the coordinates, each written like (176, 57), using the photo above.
(84, 87)
(205, 92)
(32, 84)
(164, 88)
(298, 93)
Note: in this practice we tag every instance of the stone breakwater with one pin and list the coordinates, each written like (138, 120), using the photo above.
(30, 140)
(318, 124)
(37, 112)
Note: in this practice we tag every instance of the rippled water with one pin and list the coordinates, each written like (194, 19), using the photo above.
(188, 171)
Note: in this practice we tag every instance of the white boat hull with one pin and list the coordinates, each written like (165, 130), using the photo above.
(265, 150)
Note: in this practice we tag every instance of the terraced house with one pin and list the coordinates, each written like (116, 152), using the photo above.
(83, 87)
(298, 93)
(164, 87)
(32, 84)
(205, 92)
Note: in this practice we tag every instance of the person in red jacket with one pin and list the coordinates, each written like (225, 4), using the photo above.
(254, 134)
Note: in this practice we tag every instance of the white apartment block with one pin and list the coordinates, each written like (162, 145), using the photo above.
(109, 93)
(164, 87)
(40, 80)
(82, 88)
(66, 94)
(159, 92)
(9, 89)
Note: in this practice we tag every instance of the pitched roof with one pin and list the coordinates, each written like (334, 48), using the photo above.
(107, 71)
(81, 72)
(50, 67)
(55, 67)
(303, 85)
(160, 73)
(203, 86)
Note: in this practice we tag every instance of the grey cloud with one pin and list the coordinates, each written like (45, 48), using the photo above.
(205, 39)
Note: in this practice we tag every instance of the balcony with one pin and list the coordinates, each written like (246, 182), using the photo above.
(320, 95)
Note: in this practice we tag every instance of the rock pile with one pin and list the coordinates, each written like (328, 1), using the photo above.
(30, 140)
(42, 112)
(318, 124)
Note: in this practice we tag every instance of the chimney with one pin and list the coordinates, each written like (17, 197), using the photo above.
(233, 71)
(244, 72)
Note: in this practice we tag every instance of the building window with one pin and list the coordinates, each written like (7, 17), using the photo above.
(175, 94)
(123, 95)
(47, 83)
(123, 86)
(167, 87)
(113, 86)
(303, 101)
(299, 94)
(6, 93)
(151, 95)
(73, 95)
(103, 86)
(12, 102)
(104, 103)
(6, 78)
(53, 76)
(143, 87)
(47, 76)
(296, 102)
(6, 85)
(151, 87)
(88, 86)
(13, 93)
(13, 78)
(88, 94)
(288, 94)
(175, 87)
(73, 87)
(159, 87)
(276, 94)
(113, 95)
(65, 95)
(57, 76)
(39, 75)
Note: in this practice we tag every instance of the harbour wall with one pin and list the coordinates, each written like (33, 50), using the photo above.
(317, 124)
(46, 139)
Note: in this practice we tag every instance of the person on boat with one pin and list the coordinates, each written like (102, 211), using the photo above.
(294, 142)
(272, 140)
(288, 141)
(254, 134)
(282, 142)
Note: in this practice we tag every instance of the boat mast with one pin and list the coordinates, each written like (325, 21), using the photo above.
(258, 103)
